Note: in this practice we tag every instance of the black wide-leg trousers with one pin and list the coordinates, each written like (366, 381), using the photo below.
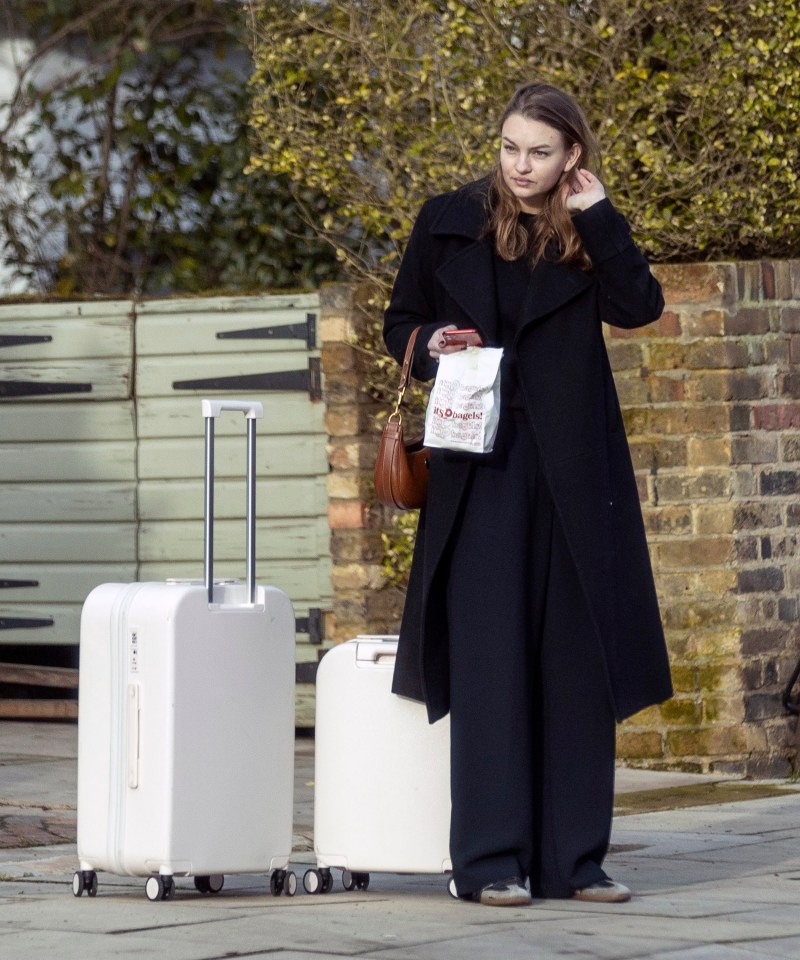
(532, 725)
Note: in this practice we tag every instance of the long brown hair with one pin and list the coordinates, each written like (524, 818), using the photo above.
(552, 232)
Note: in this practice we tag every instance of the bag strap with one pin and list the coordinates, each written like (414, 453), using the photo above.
(406, 373)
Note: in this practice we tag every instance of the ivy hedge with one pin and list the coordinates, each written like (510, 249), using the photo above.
(380, 105)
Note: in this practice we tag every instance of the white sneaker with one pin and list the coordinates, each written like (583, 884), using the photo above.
(512, 892)
(603, 891)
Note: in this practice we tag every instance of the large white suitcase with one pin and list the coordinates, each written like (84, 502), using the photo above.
(186, 721)
(382, 772)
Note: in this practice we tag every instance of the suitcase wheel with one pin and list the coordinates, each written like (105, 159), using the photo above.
(211, 884)
(312, 881)
(318, 881)
(347, 880)
(361, 881)
(84, 880)
(283, 881)
(159, 888)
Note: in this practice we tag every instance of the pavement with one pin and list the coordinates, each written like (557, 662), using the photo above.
(714, 865)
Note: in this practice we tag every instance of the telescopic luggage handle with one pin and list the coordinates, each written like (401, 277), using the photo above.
(252, 410)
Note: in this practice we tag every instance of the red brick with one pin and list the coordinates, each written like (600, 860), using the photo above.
(632, 391)
(747, 320)
(717, 355)
(779, 483)
(346, 514)
(754, 449)
(707, 386)
(768, 280)
(667, 520)
(708, 323)
(744, 385)
(761, 580)
(740, 417)
(633, 333)
(694, 615)
(790, 385)
(625, 356)
(669, 324)
(756, 516)
(708, 741)
(666, 355)
(658, 456)
(790, 447)
(776, 416)
(342, 421)
(700, 485)
(697, 282)
(694, 552)
(639, 745)
(777, 351)
(790, 319)
(666, 388)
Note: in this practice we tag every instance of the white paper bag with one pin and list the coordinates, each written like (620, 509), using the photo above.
(464, 405)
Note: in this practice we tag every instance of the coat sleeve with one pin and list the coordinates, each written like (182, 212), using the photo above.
(413, 301)
(628, 294)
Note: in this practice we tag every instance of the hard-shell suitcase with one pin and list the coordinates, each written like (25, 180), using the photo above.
(186, 721)
(382, 773)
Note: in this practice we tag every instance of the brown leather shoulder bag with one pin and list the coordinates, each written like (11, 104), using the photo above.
(402, 466)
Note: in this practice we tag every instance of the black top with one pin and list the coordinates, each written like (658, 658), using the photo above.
(511, 282)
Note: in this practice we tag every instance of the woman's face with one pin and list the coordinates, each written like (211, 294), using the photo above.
(533, 156)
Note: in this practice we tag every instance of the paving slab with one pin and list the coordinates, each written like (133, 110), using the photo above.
(719, 881)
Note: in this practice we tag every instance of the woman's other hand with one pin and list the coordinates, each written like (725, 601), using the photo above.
(582, 191)
(437, 346)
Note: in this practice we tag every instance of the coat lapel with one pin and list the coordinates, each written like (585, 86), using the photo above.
(468, 275)
(469, 279)
(552, 285)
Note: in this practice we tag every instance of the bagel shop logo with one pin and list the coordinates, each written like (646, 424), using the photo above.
(448, 413)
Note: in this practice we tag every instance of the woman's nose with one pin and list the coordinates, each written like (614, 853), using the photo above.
(523, 164)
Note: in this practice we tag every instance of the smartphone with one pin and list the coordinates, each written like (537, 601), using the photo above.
(462, 338)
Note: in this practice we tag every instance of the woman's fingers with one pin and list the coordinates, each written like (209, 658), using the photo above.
(437, 345)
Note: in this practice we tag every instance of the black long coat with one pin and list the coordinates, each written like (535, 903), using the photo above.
(447, 276)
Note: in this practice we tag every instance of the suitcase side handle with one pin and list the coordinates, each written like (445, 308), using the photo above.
(252, 410)
(375, 649)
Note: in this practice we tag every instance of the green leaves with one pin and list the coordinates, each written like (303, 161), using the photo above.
(381, 105)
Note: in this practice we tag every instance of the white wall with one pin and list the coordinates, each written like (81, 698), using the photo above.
(12, 52)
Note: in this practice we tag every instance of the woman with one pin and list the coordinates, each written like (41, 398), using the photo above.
(531, 614)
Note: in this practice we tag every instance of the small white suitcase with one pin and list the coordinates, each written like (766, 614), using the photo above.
(186, 721)
(382, 772)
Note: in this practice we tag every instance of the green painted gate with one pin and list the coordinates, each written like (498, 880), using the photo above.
(101, 454)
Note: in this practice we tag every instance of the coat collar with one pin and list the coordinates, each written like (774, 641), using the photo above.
(464, 213)
(468, 275)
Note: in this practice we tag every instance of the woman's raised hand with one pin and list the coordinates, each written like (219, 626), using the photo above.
(582, 191)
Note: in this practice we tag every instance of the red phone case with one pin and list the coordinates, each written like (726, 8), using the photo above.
(468, 338)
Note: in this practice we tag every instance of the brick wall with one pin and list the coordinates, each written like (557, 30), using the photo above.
(711, 399)
(363, 601)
